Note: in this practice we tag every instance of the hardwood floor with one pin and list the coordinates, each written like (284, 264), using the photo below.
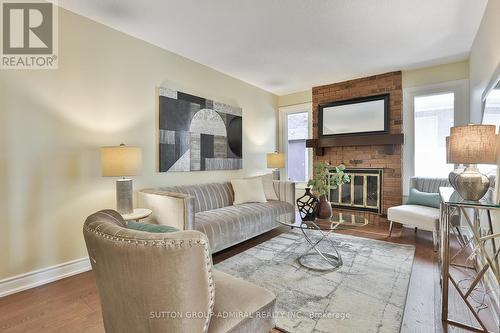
(72, 304)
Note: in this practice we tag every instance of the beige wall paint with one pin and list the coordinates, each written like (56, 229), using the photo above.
(54, 121)
(295, 98)
(436, 74)
(484, 57)
(411, 78)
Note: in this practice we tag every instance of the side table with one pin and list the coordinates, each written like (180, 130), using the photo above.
(475, 271)
(137, 214)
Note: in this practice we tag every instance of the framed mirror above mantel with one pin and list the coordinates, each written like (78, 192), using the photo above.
(360, 121)
(368, 115)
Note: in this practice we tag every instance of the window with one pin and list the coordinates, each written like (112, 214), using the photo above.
(491, 116)
(492, 108)
(434, 116)
(428, 113)
(297, 131)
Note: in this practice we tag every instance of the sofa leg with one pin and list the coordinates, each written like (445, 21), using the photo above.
(390, 229)
(435, 240)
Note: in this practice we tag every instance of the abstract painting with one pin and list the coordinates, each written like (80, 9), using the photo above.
(198, 134)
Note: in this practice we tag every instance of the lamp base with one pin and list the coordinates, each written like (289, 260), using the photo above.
(124, 196)
(276, 174)
(471, 184)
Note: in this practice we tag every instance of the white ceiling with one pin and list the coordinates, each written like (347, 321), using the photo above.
(285, 46)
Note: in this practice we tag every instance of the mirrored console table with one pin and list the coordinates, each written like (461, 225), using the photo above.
(473, 269)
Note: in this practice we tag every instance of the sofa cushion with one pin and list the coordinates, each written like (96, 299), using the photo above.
(417, 197)
(230, 225)
(148, 227)
(423, 217)
(231, 314)
(248, 190)
(268, 184)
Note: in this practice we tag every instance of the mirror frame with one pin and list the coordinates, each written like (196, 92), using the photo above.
(384, 97)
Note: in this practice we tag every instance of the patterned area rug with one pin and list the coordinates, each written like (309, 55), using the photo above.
(367, 294)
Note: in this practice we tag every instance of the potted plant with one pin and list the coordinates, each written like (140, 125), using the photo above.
(323, 181)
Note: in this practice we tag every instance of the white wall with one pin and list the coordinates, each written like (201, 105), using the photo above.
(484, 57)
(54, 121)
(484, 64)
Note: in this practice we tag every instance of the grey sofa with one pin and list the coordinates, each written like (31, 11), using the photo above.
(145, 277)
(209, 208)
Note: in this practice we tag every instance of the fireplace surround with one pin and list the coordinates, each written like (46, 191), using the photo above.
(367, 151)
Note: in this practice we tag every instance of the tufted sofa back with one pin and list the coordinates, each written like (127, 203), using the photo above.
(206, 196)
(429, 185)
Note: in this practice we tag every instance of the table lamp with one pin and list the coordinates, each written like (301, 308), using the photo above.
(472, 145)
(276, 161)
(122, 161)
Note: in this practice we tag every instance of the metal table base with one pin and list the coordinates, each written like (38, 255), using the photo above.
(333, 261)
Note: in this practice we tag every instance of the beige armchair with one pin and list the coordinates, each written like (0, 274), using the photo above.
(423, 217)
(164, 282)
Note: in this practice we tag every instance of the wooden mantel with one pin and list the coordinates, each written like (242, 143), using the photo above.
(389, 140)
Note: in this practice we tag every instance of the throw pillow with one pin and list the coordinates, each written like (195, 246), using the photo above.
(417, 197)
(268, 184)
(248, 190)
(148, 227)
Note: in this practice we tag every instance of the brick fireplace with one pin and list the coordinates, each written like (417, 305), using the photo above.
(367, 156)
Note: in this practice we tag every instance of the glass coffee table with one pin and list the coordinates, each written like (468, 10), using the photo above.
(316, 258)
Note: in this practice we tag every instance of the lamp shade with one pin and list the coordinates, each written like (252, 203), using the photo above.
(276, 160)
(121, 161)
(472, 144)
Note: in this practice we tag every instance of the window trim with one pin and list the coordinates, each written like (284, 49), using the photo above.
(283, 130)
(460, 117)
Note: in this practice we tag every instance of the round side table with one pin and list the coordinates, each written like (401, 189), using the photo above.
(137, 214)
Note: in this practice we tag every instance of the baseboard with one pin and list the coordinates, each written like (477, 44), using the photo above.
(43, 276)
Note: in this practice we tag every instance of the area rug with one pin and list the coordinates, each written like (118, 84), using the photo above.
(367, 294)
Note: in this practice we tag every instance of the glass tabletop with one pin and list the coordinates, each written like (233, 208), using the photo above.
(451, 197)
(338, 221)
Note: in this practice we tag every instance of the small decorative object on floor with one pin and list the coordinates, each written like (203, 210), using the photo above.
(306, 205)
(472, 145)
(322, 182)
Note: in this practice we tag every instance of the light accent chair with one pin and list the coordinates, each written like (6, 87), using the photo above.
(422, 217)
(144, 279)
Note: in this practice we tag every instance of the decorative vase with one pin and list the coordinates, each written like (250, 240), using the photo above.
(454, 174)
(323, 208)
(306, 205)
(451, 178)
(471, 184)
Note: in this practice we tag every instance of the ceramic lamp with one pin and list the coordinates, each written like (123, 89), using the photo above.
(276, 161)
(472, 145)
(122, 161)
(456, 170)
